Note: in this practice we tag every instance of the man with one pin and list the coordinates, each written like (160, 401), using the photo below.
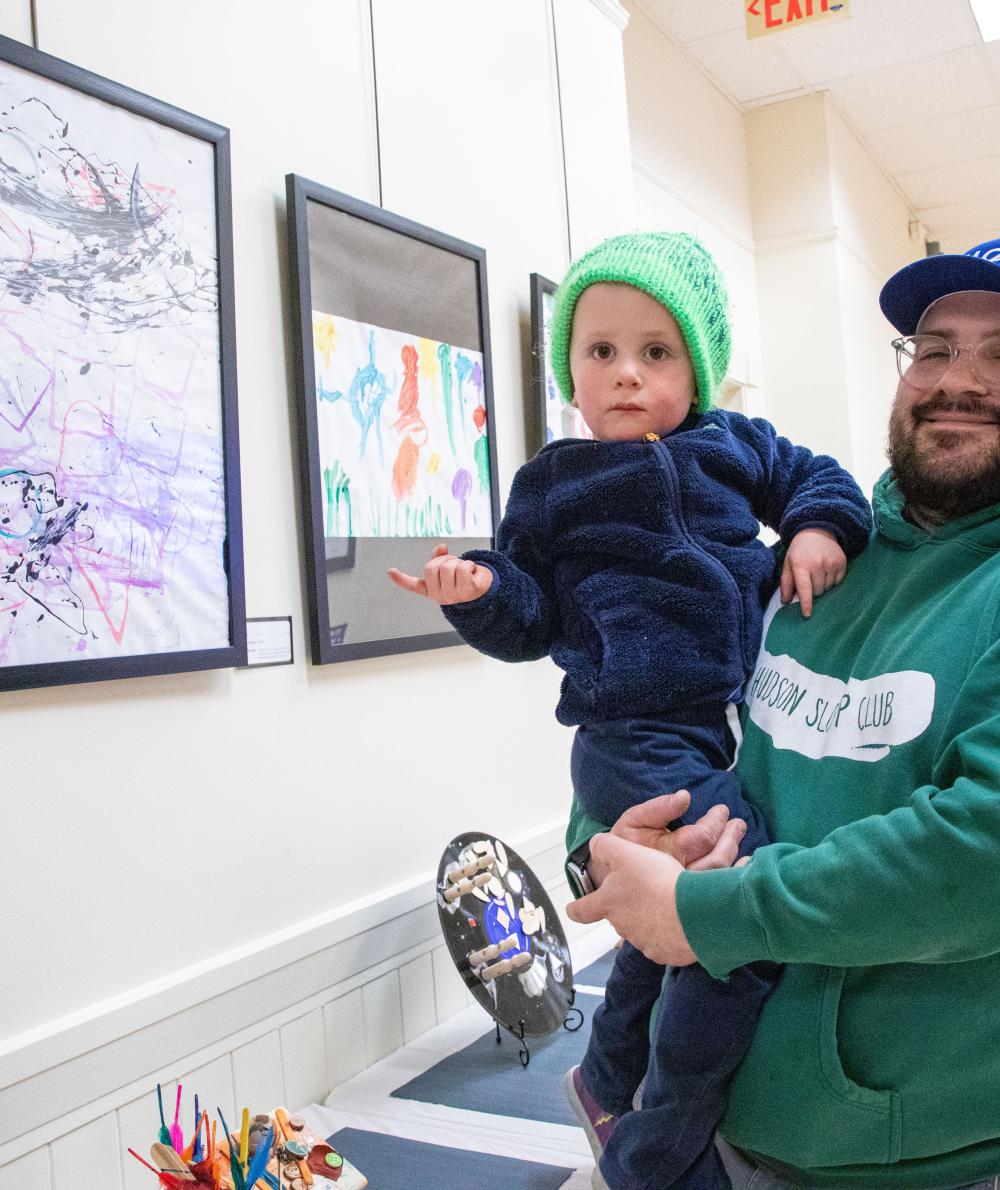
(872, 747)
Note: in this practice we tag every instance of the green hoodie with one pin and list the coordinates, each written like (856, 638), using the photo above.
(872, 746)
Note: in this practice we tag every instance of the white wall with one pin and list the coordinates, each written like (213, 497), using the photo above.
(689, 158)
(182, 833)
(874, 241)
(142, 768)
(595, 120)
(829, 229)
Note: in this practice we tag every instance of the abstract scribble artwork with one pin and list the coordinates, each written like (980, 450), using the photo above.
(113, 496)
(402, 433)
(395, 409)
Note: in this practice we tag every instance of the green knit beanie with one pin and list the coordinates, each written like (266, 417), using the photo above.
(677, 270)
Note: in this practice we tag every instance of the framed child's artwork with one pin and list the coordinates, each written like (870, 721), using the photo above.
(395, 415)
(554, 417)
(120, 537)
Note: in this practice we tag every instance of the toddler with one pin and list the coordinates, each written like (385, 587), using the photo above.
(634, 562)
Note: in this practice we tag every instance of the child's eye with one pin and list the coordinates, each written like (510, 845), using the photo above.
(657, 353)
(603, 351)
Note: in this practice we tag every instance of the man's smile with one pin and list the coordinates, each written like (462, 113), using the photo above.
(958, 420)
(941, 416)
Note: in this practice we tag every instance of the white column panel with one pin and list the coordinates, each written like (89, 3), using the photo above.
(344, 1030)
(829, 231)
(138, 1128)
(257, 1073)
(449, 988)
(595, 123)
(15, 19)
(416, 988)
(870, 210)
(789, 160)
(871, 376)
(383, 1016)
(802, 337)
(303, 1057)
(89, 1157)
(33, 1171)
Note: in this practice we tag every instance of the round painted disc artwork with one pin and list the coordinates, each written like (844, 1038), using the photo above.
(504, 934)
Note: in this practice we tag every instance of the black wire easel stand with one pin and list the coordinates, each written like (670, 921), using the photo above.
(572, 1022)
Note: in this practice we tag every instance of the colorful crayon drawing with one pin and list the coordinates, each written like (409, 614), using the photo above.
(403, 438)
(112, 526)
(561, 419)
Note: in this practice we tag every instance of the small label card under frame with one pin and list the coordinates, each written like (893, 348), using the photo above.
(269, 641)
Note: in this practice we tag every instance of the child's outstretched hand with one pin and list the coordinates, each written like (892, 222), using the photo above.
(447, 579)
(813, 564)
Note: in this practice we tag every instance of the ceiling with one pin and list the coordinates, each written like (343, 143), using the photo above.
(912, 78)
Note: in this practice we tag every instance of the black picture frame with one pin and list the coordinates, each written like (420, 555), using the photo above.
(550, 418)
(92, 108)
(541, 288)
(386, 277)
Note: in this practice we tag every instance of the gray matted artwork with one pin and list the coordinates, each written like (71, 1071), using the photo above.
(396, 442)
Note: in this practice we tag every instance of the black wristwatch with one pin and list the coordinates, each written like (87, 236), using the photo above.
(576, 871)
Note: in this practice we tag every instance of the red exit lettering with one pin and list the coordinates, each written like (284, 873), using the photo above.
(790, 10)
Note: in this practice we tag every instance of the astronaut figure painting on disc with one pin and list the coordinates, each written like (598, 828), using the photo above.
(504, 935)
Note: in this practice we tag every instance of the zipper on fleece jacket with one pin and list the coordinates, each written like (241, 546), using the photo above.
(669, 469)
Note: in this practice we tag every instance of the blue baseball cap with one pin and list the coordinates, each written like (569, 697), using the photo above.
(908, 293)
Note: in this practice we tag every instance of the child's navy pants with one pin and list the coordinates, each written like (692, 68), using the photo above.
(704, 1026)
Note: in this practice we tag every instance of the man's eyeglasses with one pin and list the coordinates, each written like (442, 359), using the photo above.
(922, 360)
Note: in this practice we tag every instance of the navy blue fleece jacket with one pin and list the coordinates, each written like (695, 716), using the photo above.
(637, 566)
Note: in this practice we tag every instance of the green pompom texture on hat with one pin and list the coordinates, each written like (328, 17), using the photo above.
(678, 271)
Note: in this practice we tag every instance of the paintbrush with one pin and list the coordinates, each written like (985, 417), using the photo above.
(164, 1136)
(194, 1153)
(260, 1159)
(244, 1139)
(234, 1164)
(214, 1156)
(176, 1132)
(196, 1150)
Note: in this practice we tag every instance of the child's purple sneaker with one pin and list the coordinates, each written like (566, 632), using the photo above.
(597, 1123)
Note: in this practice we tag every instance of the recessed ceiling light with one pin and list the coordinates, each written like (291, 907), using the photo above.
(987, 14)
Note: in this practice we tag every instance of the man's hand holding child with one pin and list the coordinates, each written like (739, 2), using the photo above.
(447, 579)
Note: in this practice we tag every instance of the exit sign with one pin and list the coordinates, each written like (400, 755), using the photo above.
(770, 16)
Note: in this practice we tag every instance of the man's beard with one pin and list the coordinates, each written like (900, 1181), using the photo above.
(944, 484)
